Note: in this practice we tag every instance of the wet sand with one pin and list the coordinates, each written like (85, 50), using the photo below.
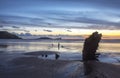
(29, 65)
(94, 69)
(32, 67)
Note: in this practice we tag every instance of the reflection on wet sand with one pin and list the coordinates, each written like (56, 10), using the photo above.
(90, 70)
(87, 68)
(44, 54)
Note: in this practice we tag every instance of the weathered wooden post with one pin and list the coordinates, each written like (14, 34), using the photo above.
(90, 46)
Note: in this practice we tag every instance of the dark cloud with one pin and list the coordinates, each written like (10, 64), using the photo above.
(35, 30)
(92, 21)
(25, 34)
(19, 20)
(47, 30)
(1, 26)
(27, 31)
(15, 27)
(69, 30)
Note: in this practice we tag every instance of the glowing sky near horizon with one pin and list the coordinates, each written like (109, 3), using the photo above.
(65, 17)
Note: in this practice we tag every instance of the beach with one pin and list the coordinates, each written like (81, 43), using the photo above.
(31, 65)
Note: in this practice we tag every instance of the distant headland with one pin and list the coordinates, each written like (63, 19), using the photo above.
(7, 35)
(48, 38)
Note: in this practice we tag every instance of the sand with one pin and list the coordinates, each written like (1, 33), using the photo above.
(30, 66)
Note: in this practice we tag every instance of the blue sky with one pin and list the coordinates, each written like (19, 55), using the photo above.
(23, 15)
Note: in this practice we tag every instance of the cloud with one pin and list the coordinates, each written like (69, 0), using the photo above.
(1, 26)
(25, 34)
(91, 21)
(20, 20)
(96, 14)
(35, 30)
(69, 31)
(58, 20)
(47, 30)
(15, 27)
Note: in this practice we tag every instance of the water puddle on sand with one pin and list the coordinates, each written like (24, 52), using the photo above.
(62, 56)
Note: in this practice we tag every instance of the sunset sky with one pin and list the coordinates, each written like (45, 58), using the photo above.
(61, 17)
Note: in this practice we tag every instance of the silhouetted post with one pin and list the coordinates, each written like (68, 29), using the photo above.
(90, 46)
(58, 46)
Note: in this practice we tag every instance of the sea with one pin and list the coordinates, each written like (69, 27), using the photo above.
(17, 45)
(69, 49)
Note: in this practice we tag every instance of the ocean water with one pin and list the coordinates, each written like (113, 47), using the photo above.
(16, 46)
(68, 50)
